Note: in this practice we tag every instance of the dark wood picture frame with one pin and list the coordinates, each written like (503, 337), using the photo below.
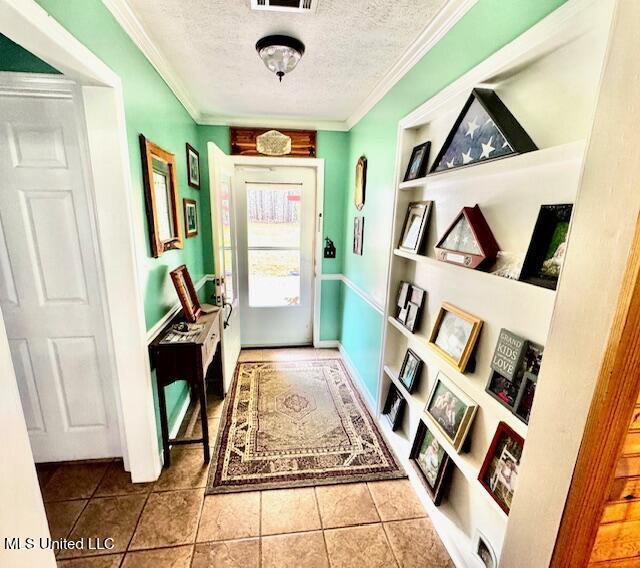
(549, 218)
(415, 375)
(243, 141)
(186, 203)
(195, 183)
(150, 152)
(392, 395)
(186, 293)
(421, 210)
(506, 123)
(417, 166)
(482, 234)
(503, 430)
(438, 489)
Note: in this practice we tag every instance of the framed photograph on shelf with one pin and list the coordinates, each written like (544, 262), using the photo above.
(499, 472)
(410, 371)
(190, 208)
(454, 335)
(410, 302)
(358, 235)
(394, 407)
(525, 399)
(186, 293)
(432, 462)
(484, 551)
(468, 241)
(417, 167)
(193, 167)
(545, 256)
(415, 226)
(451, 410)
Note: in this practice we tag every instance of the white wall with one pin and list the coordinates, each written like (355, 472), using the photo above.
(604, 219)
(21, 511)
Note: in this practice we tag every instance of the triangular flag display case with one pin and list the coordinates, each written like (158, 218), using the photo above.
(468, 241)
(485, 130)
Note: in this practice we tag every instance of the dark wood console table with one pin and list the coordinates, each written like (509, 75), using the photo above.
(195, 359)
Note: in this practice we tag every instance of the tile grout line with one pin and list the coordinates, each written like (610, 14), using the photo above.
(260, 530)
(324, 538)
(386, 536)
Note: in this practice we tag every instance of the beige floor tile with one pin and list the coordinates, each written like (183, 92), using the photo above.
(228, 554)
(74, 481)
(230, 516)
(416, 544)
(178, 557)
(169, 519)
(117, 481)
(345, 505)
(396, 500)
(359, 547)
(61, 516)
(295, 550)
(289, 510)
(196, 431)
(215, 406)
(109, 561)
(250, 355)
(107, 517)
(327, 353)
(187, 470)
(289, 354)
(45, 471)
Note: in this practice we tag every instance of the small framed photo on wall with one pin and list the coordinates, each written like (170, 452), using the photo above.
(190, 217)
(358, 235)
(193, 167)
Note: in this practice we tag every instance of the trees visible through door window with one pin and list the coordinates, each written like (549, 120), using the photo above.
(227, 244)
(273, 238)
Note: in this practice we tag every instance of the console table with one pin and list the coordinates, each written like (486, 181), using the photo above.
(195, 358)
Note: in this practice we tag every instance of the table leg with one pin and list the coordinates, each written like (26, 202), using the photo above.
(202, 388)
(164, 426)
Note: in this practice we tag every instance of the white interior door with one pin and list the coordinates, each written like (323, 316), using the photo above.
(50, 288)
(276, 227)
(221, 171)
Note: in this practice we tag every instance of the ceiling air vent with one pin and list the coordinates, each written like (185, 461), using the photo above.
(300, 6)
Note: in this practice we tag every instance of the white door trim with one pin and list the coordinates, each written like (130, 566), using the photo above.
(318, 165)
(120, 240)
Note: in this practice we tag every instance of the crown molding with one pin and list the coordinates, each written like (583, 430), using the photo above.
(444, 20)
(125, 16)
(274, 122)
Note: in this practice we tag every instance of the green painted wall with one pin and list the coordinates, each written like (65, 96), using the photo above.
(487, 27)
(15, 58)
(152, 109)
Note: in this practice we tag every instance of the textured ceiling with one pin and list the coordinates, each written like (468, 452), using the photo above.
(350, 45)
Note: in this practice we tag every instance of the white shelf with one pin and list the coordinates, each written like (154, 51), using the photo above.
(412, 184)
(412, 400)
(417, 336)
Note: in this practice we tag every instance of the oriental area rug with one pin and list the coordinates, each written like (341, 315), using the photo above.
(293, 424)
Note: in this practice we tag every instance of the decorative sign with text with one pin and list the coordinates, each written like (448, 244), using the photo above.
(508, 354)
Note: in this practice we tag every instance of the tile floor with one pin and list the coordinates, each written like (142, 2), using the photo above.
(171, 523)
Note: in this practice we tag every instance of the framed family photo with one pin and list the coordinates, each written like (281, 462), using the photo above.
(415, 226)
(190, 208)
(394, 407)
(454, 335)
(410, 302)
(410, 371)
(417, 167)
(499, 472)
(193, 167)
(432, 462)
(451, 410)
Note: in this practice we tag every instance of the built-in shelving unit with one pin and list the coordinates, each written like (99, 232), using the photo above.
(548, 78)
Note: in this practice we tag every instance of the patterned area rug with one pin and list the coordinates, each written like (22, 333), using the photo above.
(293, 424)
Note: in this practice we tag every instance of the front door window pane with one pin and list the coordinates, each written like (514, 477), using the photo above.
(274, 278)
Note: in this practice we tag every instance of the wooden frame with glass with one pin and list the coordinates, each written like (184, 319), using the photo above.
(161, 197)
(186, 293)
(415, 226)
(431, 461)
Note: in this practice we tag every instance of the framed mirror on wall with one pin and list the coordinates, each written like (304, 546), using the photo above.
(161, 197)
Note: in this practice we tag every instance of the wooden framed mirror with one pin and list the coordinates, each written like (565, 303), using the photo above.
(161, 193)
(361, 183)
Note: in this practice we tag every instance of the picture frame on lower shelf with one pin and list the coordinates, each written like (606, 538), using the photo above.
(484, 551)
(432, 462)
(451, 410)
(409, 305)
(499, 471)
(410, 371)
(544, 259)
(454, 335)
(415, 226)
(394, 407)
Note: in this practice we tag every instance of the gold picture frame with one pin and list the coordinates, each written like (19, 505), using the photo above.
(361, 183)
(454, 335)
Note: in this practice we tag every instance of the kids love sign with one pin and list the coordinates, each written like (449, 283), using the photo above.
(508, 354)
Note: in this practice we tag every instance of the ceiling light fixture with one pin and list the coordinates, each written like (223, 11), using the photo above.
(280, 53)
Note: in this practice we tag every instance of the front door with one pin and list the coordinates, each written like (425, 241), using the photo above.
(50, 291)
(276, 220)
(225, 258)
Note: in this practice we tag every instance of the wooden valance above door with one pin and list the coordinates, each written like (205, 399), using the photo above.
(273, 142)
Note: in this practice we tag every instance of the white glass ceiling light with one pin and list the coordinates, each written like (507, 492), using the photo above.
(280, 53)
